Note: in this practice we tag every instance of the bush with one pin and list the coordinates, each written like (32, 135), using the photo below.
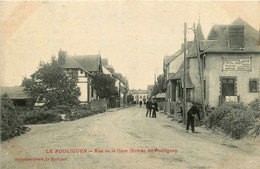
(220, 112)
(41, 116)
(11, 125)
(63, 109)
(254, 105)
(238, 123)
(80, 114)
(233, 118)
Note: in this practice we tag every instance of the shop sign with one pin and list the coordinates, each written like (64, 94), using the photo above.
(231, 64)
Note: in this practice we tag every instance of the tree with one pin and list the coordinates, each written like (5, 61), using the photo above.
(160, 86)
(51, 84)
(161, 83)
(104, 85)
(130, 98)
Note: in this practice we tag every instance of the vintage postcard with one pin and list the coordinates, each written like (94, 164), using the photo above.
(130, 84)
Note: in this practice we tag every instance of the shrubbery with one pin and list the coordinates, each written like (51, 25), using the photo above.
(41, 116)
(11, 125)
(80, 114)
(254, 105)
(235, 119)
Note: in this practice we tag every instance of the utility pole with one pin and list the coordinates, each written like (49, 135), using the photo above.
(184, 75)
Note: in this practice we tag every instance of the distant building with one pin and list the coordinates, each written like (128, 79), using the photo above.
(120, 82)
(17, 95)
(139, 94)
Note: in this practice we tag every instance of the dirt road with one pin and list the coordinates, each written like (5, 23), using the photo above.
(55, 145)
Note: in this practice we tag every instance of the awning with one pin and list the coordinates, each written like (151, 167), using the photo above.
(160, 96)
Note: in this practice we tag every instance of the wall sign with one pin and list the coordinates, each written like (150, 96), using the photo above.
(234, 64)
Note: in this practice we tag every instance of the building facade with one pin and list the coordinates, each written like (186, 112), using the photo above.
(222, 68)
(82, 67)
(230, 59)
(139, 95)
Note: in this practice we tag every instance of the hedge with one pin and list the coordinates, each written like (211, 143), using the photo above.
(11, 125)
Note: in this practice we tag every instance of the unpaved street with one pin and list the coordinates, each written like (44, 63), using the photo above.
(124, 130)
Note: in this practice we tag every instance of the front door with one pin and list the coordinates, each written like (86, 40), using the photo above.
(228, 87)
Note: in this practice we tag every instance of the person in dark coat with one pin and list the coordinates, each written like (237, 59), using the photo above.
(191, 116)
(155, 109)
(140, 103)
(149, 105)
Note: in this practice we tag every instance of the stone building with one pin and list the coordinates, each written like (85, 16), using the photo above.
(230, 59)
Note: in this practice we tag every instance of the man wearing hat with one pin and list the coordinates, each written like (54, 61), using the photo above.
(191, 116)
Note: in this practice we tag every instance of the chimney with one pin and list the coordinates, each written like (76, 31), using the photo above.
(62, 57)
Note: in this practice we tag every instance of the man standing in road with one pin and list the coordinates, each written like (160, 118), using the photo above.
(140, 103)
(155, 108)
(191, 116)
(148, 107)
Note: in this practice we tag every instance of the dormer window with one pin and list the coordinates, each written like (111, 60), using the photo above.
(236, 39)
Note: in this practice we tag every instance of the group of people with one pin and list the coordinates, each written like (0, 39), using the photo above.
(151, 108)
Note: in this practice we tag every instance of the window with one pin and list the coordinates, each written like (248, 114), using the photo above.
(179, 89)
(236, 37)
(253, 85)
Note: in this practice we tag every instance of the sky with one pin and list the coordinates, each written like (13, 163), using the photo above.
(133, 36)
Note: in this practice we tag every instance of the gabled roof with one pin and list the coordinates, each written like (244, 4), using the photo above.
(106, 71)
(168, 59)
(72, 64)
(15, 92)
(218, 39)
(110, 68)
(216, 31)
(180, 75)
(91, 63)
(104, 61)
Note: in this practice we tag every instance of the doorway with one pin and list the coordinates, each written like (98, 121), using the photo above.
(228, 86)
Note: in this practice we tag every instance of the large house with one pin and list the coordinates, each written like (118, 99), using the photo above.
(230, 59)
(229, 62)
(83, 67)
